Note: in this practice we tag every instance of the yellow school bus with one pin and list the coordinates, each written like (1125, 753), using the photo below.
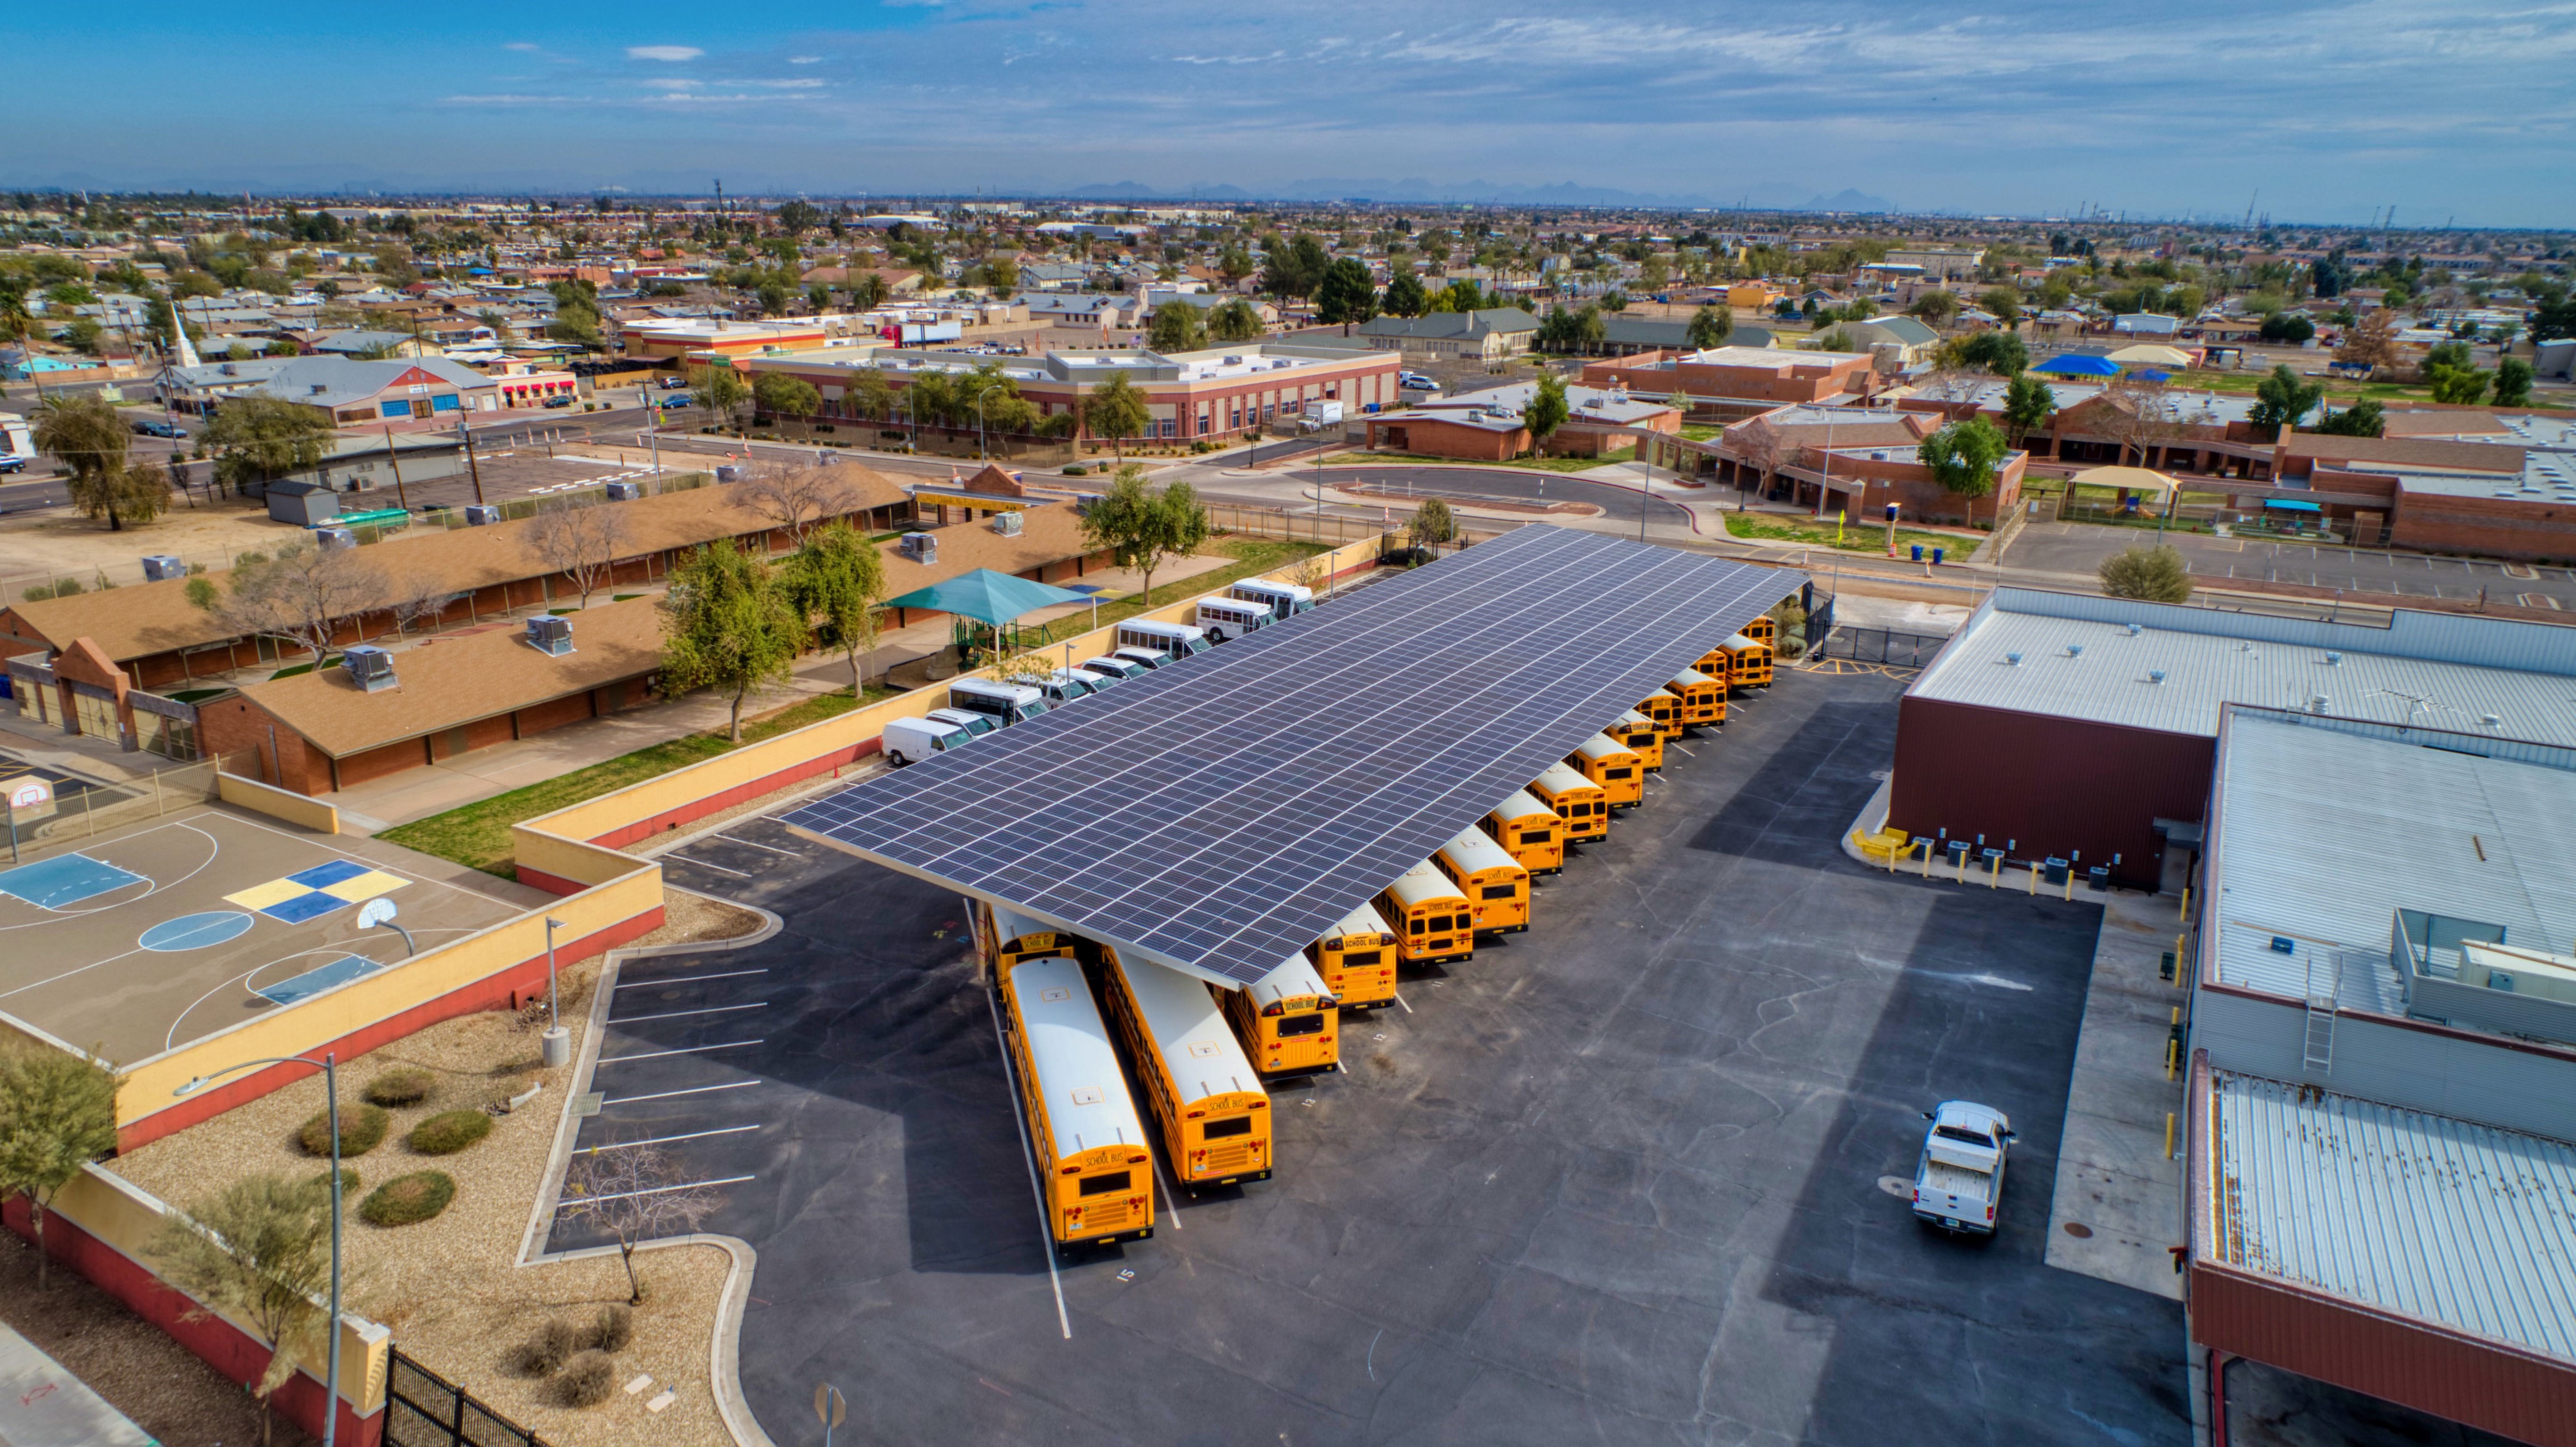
(1703, 698)
(1763, 630)
(1748, 664)
(1613, 766)
(1433, 921)
(1577, 800)
(1642, 738)
(1497, 888)
(1357, 960)
(1091, 1150)
(1288, 1020)
(1009, 938)
(1531, 832)
(1199, 1085)
(1665, 710)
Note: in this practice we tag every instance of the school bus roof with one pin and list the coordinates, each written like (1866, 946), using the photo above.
(1087, 1104)
(1522, 805)
(1009, 925)
(1558, 779)
(1197, 1046)
(1362, 924)
(1691, 678)
(1738, 644)
(1423, 884)
(1603, 749)
(1475, 851)
(1632, 718)
(1293, 978)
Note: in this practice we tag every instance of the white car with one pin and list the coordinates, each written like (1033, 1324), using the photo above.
(1959, 1178)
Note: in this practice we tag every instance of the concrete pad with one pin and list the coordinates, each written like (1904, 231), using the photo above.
(43, 1405)
(2113, 1178)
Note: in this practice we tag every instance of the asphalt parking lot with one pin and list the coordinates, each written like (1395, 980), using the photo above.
(1622, 1178)
(2080, 548)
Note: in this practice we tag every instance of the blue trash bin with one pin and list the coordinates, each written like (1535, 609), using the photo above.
(1918, 552)
(1938, 553)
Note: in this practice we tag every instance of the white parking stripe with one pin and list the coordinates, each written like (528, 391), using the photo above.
(683, 1050)
(605, 1102)
(702, 864)
(677, 1014)
(663, 1140)
(730, 839)
(686, 979)
(657, 1190)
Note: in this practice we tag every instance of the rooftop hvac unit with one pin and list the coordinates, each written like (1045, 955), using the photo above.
(2334, 660)
(728, 472)
(548, 633)
(2014, 659)
(162, 567)
(2155, 675)
(335, 537)
(479, 515)
(1008, 524)
(625, 491)
(2074, 650)
(371, 669)
(920, 547)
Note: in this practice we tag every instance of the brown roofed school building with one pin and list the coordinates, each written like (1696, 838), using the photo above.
(321, 731)
(1738, 375)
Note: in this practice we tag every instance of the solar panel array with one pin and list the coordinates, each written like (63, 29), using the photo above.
(1220, 814)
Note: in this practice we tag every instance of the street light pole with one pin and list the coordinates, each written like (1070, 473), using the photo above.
(555, 1046)
(982, 447)
(329, 1064)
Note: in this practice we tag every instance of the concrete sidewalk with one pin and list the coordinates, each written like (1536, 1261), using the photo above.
(43, 1405)
(2119, 1195)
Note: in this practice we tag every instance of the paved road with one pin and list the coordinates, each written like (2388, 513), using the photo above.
(2077, 548)
(1457, 484)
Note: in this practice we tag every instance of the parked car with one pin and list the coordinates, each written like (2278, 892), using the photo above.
(554, 402)
(672, 383)
(1959, 1178)
(156, 428)
(911, 740)
(10, 463)
(680, 401)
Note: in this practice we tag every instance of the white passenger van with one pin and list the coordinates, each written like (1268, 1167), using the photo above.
(1060, 686)
(1147, 658)
(1009, 702)
(1225, 619)
(911, 740)
(1180, 640)
(1284, 600)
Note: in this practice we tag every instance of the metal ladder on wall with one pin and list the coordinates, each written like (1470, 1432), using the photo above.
(2317, 1052)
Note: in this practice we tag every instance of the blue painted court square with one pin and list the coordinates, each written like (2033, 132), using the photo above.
(313, 982)
(66, 879)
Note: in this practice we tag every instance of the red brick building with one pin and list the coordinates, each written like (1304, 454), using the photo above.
(1738, 375)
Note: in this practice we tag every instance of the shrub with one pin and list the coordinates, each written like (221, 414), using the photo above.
(349, 1182)
(406, 1199)
(589, 1379)
(450, 1131)
(362, 1129)
(404, 1085)
(614, 1329)
(2156, 574)
(542, 1355)
(1077, 470)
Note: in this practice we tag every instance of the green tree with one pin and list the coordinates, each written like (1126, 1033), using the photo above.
(728, 624)
(2513, 382)
(1345, 294)
(868, 291)
(1935, 307)
(721, 390)
(2550, 321)
(2028, 404)
(17, 322)
(1177, 327)
(2001, 353)
(1965, 456)
(1234, 264)
(836, 580)
(1141, 528)
(1234, 320)
(867, 394)
(1432, 524)
(259, 1251)
(780, 395)
(257, 438)
(106, 481)
(2282, 398)
(2003, 303)
(2291, 328)
(1710, 326)
(1295, 269)
(1116, 410)
(57, 1114)
(1546, 409)
(1404, 294)
(2155, 573)
(2362, 419)
(2455, 378)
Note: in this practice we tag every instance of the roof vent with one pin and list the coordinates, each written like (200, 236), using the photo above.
(2156, 676)
(2334, 660)
(371, 669)
(2074, 650)
(549, 633)
(2013, 659)
(2490, 720)
(2319, 703)
(2135, 630)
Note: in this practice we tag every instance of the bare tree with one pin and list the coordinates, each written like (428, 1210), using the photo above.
(302, 596)
(582, 539)
(1761, 443)
(635, 1193)
(1953, 384)
(2142, 413)
(421, 600)
(797, 498)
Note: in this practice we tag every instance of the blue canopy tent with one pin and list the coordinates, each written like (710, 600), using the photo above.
(2079, 364)
(996, 600)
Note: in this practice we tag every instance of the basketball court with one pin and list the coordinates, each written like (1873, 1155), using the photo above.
(149, 937)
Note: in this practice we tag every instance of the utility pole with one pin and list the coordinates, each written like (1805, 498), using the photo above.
(472, 464)
(395, 458)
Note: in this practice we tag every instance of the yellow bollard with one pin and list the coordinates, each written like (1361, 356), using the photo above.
(2169, 1135)
(1995, 876)
(2172, 1048)
(2034, 877)
(2070, 881)
(2186, 904)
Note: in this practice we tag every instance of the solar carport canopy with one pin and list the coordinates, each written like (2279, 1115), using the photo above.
(1221, 813)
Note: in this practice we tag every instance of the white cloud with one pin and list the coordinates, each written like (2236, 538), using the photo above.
(804, 60)
(527, 45)
(663, 52)
(790, 84)
(672, 82)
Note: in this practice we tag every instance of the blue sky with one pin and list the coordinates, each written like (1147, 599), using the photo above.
(2332, 108)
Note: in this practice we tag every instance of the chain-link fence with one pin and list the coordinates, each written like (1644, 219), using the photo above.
(44, 810)
(1879, 645)
(424, 1409)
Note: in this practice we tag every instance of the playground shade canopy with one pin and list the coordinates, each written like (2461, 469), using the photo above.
(2134, 479)
(2079, 364)
(987, 597)
(2151, 354)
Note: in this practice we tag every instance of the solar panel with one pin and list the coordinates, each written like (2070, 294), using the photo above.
(1223, 813)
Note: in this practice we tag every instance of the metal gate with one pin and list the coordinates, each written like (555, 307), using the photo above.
(424, 1409)
(1878, 645)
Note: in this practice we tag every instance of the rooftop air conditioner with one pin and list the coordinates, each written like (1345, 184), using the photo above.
(371, 669)
(481, 515)
(625, 491)
(162, 567)
(548, 633)
(1009, 524)
(920, 547)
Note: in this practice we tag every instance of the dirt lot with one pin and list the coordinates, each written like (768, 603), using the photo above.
(61, 543)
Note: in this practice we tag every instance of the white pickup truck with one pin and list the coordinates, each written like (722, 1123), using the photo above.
(1960, 1179)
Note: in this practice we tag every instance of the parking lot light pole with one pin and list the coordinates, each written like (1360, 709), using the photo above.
(329, 1065)
(556, 1043)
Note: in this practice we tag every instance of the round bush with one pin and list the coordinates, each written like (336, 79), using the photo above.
(450, 1131)
(406, 1199)
(589, 1379)
(362, 1129)
(405, 1085)
(348, 1182)
(614, 1328)
(544, 1354)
